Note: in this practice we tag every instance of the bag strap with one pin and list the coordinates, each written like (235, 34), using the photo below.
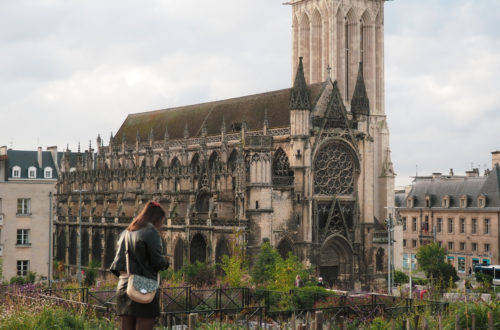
(127, 235)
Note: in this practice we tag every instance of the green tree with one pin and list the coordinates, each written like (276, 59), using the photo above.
(235, 267)
(400, 277)
(431, 258)
(264, 266)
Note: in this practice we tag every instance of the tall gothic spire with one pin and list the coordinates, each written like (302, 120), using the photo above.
(360, 105)
(299, 95)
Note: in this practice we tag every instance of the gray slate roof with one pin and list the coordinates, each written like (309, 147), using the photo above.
(26, 159)
(455, 187)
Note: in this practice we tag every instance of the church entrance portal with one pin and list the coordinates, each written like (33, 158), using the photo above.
(335, 262)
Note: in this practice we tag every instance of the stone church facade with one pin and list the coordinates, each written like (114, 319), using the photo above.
(307, 168)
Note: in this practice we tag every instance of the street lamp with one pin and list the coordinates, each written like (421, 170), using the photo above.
(79, 242)
(390, 230)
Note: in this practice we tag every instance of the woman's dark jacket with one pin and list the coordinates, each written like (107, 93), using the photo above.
(146, 258)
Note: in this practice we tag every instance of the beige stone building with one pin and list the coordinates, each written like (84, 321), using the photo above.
(27, 178)
(461, 213)
(307, 168)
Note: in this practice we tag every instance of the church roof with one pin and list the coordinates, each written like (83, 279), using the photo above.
(250, 109)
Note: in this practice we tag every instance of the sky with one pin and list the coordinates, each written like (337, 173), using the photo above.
(70, 70)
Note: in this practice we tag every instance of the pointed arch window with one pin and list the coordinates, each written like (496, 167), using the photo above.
(213, 163)
(175, 167)
(231, 163)
(195, 165)
(282, 174)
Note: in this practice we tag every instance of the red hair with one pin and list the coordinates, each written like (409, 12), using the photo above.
(151, 213)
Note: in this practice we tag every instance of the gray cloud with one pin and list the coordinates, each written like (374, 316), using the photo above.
(72, 69)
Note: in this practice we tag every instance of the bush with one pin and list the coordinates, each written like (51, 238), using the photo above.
(199, 274)
(307, 297)
(264, 265)
(400, 277)
(91, 273)
(20, 280)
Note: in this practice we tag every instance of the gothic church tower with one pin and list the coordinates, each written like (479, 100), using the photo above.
(343, 40)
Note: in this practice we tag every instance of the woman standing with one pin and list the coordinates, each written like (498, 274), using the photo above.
(146, 258)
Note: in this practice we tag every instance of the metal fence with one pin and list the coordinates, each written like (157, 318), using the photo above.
(248, 305)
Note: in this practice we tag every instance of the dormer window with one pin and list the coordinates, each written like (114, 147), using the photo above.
(410, 201)
(481, 201)
(463, 201)
(428, 201)
(445, 202)
(16, 172)
(47, 173)
(32, 172)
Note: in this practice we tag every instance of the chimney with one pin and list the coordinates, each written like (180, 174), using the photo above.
(495, 159)
(3, 151)
(53, 153)
(39, 157)
(472, 174)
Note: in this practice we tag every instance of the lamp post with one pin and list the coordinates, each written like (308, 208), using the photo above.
(49, 272)
(79, 242)
(390, 230)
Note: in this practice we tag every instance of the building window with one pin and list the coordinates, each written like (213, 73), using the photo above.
(410, 202)
(23, 237)
(404, 223)
(461, 264)
(462, 246)
(462, 225)
(439, 225)
(450, 225)
(414, 243)
(32, 172)
(474, 246)
(23, 206)
(474, 226)
(486, 247)
(427, 201)
(486, 226)
(16, 172)
(47, 173)
(414, 224)
(404, 243)
(463, 202)
(481, 201)
(23, 266)
(450, 246)
(445, 201)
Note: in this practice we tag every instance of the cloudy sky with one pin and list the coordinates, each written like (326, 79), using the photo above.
(70, 69)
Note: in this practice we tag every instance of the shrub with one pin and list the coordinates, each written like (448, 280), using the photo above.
(264, 265)
(91, 273)
(309, 296)
(20, 280)
(400, 277)
(199, 274)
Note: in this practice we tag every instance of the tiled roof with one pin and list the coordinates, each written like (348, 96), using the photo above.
(250, 109)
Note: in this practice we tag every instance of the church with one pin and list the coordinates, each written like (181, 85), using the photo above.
(306, 168)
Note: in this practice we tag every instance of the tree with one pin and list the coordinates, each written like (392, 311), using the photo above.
(430, 256)
(265, 264)
(430, 259)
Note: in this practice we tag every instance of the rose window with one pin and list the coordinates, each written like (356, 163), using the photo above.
(334, 170)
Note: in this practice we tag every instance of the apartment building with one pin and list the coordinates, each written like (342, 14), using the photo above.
(27, 182)
(460, 213)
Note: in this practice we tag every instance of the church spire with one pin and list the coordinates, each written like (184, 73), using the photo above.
(360, 105)
(299, 95)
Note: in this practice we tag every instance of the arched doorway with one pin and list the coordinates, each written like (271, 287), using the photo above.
(178, 254)
(335, 261)
(284, 247)
(198, 249)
